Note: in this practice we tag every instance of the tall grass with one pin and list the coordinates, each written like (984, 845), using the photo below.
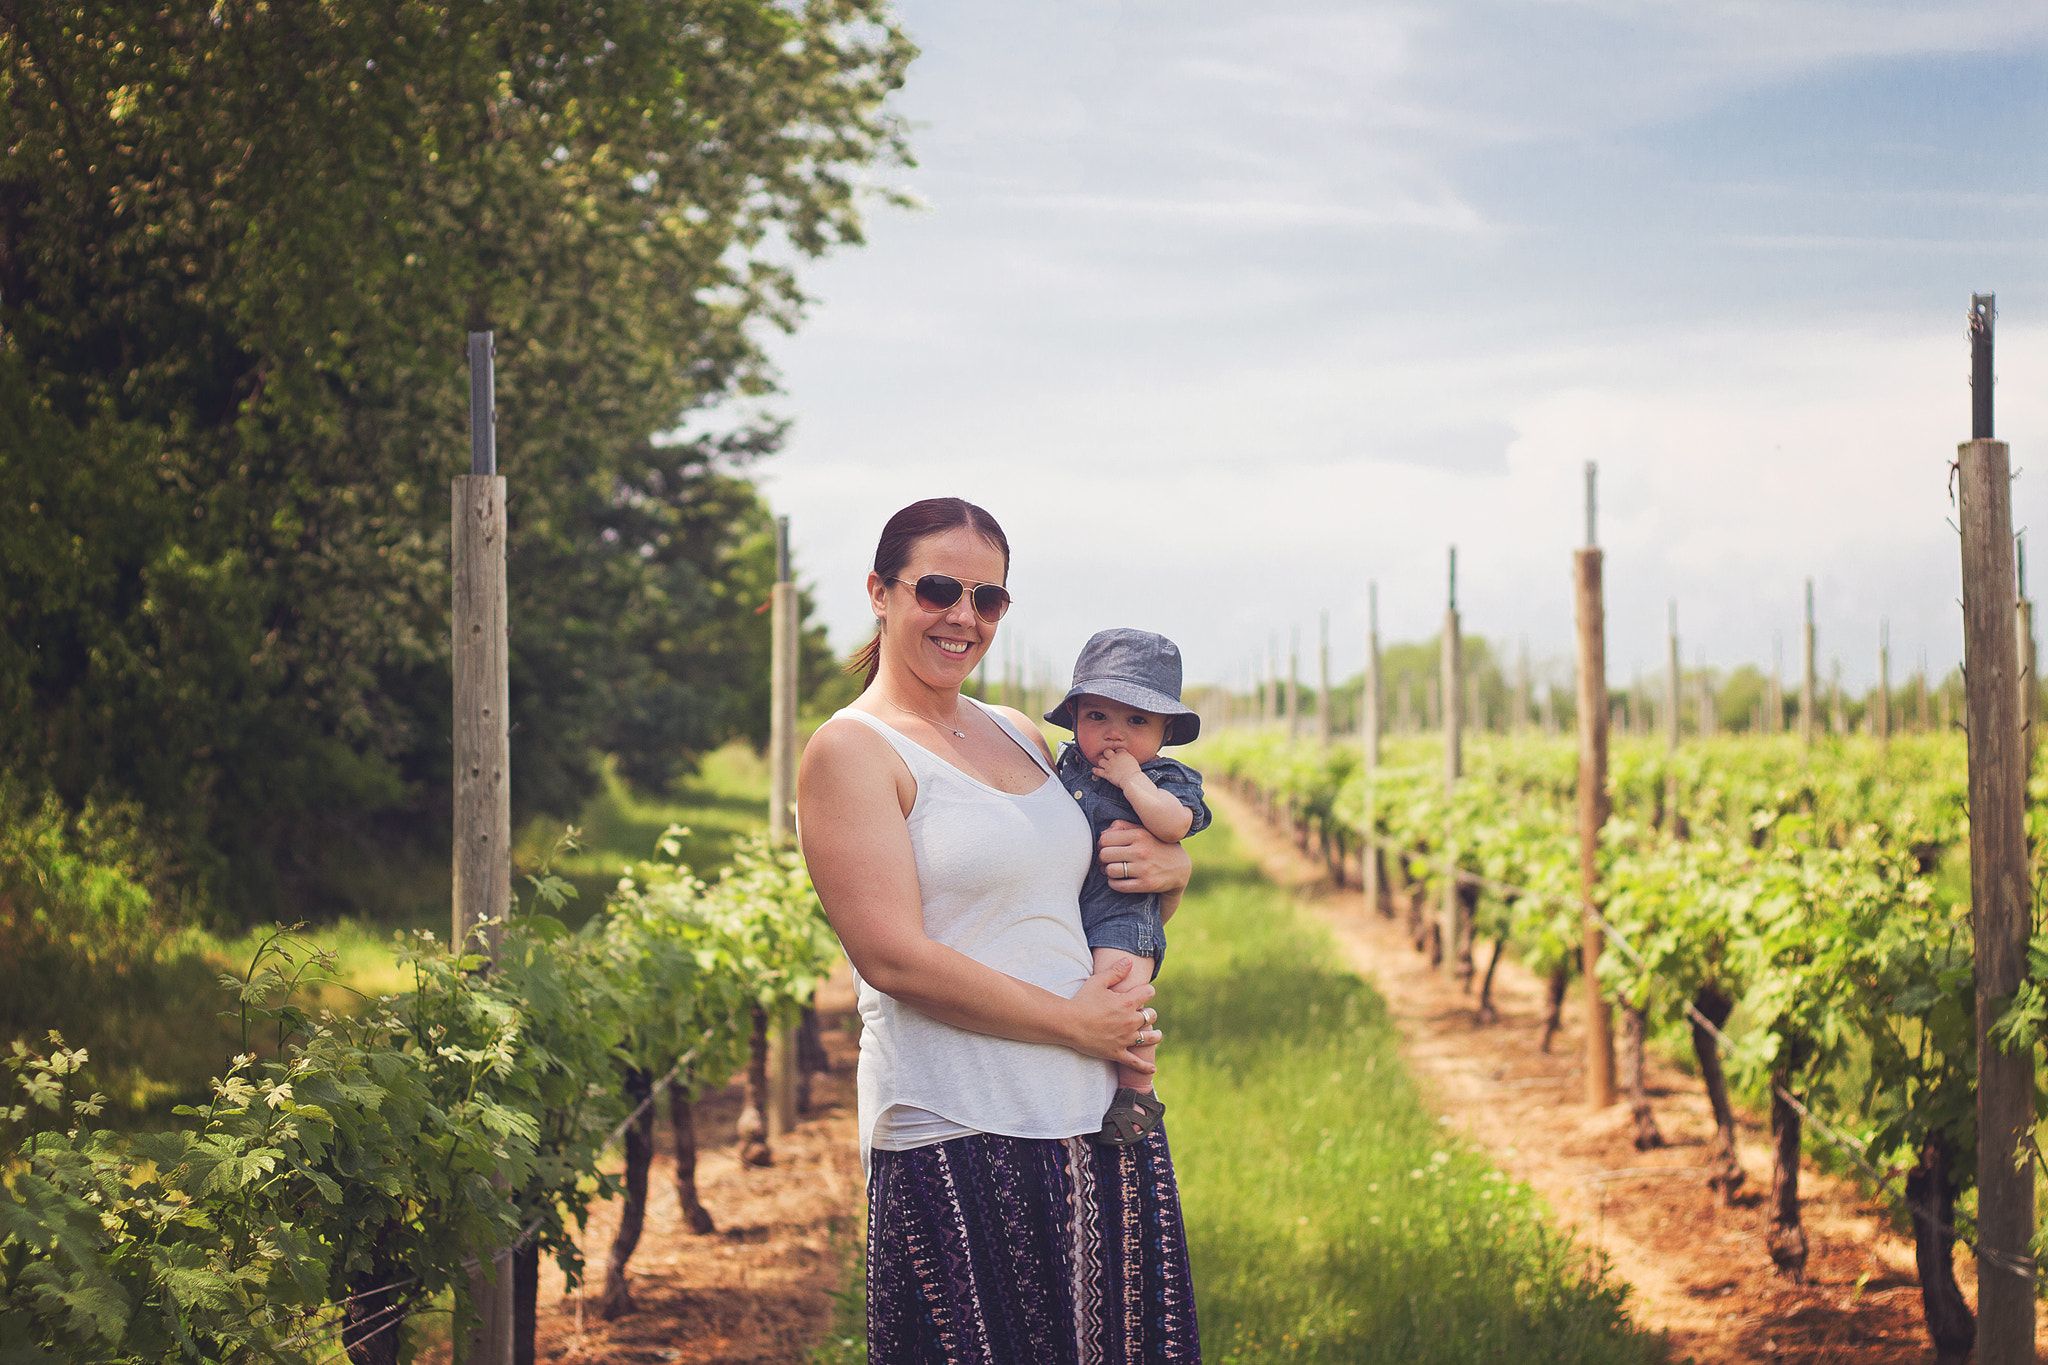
(1330, 1215)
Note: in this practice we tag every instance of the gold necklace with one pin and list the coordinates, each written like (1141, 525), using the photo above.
(957, 734)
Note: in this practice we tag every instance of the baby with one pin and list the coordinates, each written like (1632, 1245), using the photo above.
(1123, 708)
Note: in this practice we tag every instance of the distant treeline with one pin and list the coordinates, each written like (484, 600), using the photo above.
(240, 246)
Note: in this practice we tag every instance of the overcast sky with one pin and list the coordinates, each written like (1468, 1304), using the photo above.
(1225, 311)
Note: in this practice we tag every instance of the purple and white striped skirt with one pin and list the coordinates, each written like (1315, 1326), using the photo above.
(991, 1250)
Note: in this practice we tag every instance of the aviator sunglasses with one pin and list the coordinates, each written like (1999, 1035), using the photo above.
(938, 592)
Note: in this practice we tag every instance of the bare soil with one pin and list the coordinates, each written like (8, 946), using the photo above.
(1699, 1268)
(758, 1289)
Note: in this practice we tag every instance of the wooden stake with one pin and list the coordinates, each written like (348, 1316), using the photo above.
(1592, 623)
(1774, 704)
(1369, 856)
(483, 752)
(1375, 686)
(782, 688)
(2030, 687)
(1671, 685)
(1521, 715)
(2001, 900)
(1451, 654)
(1323, 684)
(1808, 717)
(1881, 715)
(1294, 684)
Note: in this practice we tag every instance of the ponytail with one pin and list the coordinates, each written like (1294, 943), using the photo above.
(868, 659)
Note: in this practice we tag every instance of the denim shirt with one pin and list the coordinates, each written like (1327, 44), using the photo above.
(1103, 802)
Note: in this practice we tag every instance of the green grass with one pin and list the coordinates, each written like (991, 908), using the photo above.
(1330, 1215)
(726, 800)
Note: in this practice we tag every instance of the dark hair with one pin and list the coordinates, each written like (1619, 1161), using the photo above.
(931, 517)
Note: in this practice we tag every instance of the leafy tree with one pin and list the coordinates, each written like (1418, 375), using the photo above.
(239, 246)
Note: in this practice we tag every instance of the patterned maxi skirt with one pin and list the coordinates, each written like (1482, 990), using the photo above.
(991, 1250)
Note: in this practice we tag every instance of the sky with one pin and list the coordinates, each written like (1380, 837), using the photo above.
(1227, 312)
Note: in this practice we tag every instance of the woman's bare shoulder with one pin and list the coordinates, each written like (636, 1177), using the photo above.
(845, 757)
(844, 742)
(1027, 725)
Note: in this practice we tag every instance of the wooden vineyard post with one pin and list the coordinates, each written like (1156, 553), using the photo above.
(1375, 703)
(1266, 690)
(782, 661)
(1294, 684)
(1808, 717)
(483, 752)
(1520, 723)
(1774, 703)
(1671, 682)
(1323, 684)
(2023, 626)
(1451, 654)
(1592, 622)
(1881, 714)
(2001, 896)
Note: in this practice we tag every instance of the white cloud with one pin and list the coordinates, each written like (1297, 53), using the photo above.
(1213, 309)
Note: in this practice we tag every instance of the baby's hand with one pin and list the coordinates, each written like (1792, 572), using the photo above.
(1116, 766)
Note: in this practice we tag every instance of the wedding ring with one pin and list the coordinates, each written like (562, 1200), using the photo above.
(1124, 875)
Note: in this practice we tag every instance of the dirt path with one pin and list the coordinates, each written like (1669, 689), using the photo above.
(756, 1290)
(1700, 1269)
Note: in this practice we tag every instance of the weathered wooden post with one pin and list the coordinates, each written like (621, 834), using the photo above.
(1451, 661)
(1375, 702)
(1881, 714)
(1809, 718)
(1838, 714)
(2030, 686)
(1920, 696)
(1592, 623)
(1520, 722)
(1774, 704)
(2000, 893)
(782, 689)
(1323, 684)
(1671, 682)
(1294, 683)
(483, 753)
(1272, 672)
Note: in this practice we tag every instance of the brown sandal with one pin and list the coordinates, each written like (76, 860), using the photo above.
(1132, 1117)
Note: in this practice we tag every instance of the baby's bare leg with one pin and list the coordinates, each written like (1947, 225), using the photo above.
(1141, 974)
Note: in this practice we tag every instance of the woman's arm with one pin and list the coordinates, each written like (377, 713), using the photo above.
(852, 793)
(1153, 865)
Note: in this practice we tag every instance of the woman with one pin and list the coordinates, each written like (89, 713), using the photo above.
(951, 864)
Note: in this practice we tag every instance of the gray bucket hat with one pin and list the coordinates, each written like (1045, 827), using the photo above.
(1136, 668)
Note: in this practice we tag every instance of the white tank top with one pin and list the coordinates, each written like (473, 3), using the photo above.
(999, 878)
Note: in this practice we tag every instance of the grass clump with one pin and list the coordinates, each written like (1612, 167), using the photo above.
(1330, 1215)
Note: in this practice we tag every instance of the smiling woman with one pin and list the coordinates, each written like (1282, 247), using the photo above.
(950, 863)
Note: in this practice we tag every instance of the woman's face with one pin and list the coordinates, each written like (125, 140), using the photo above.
(940, 647)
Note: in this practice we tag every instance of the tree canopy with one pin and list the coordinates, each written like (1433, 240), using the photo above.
(240, 245)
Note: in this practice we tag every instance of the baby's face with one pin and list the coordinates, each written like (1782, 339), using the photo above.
(1101, 725)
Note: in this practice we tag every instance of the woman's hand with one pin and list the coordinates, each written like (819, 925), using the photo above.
(1108, 1022)
(1147, 864)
